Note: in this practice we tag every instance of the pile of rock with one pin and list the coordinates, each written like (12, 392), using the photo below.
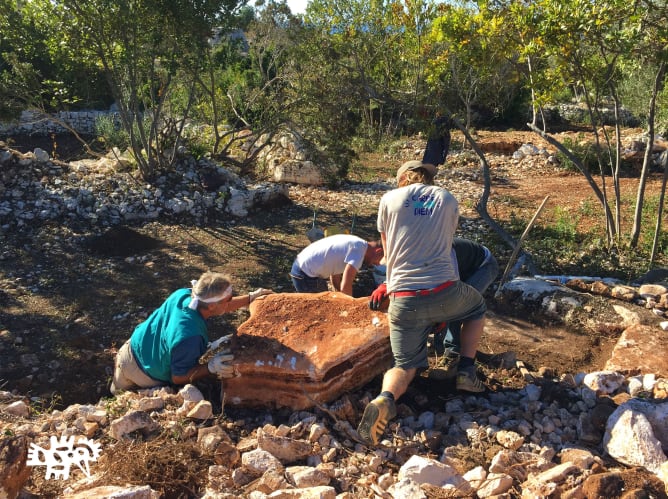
(35, 190)
(548, 439)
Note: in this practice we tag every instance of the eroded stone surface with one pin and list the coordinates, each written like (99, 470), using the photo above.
(298, 349)
(641, 349)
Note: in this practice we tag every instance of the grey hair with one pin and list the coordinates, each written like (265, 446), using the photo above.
(211, 284)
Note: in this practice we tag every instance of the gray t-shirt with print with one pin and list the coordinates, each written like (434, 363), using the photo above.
(419, 222)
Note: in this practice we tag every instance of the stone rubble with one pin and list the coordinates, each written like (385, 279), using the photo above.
(536, 444)
(35, 190)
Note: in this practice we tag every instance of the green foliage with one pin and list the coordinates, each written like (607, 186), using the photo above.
(565, 225)
(581, 149)
(43, 406)
(649, 213)
(110, 133)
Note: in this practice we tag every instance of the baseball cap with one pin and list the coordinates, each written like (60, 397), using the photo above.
(414, 165)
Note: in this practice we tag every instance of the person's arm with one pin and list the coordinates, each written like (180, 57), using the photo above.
(185, 364)
(349, 274)
(336, 281)
(198, 371)
(238, 302)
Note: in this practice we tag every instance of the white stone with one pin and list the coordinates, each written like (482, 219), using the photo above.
(41, 155)
(258, 461)
(630, 439)
(634, 385)
(306, 476)
(18, 408)
(406, 489)
(116, 492)
(509, 439)
(629, 318)
(495, 484)
(298, 172)
(131, 422)
(604, 382)
(316, 431)
(475, 476)
(150, 404)
(202, 410)
(423, 470)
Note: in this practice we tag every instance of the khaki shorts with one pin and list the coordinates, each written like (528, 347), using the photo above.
(127, 373)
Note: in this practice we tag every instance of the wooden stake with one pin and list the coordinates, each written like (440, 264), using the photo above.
(519, 245)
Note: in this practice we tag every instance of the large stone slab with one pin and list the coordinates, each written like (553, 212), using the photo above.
(299, 349)
(641, 349)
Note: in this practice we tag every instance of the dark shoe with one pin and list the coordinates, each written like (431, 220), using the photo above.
(377, 414)
(468, 381)
(446, 367)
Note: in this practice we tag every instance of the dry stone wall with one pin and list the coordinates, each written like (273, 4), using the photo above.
(34, 123)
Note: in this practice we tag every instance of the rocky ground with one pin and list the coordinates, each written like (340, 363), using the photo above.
(72, 292)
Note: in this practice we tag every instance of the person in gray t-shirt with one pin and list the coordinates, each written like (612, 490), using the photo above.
(417, 222)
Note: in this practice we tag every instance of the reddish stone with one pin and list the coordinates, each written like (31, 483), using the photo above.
(641, 349)
(603, 485)
(297, 350)
(13, 469)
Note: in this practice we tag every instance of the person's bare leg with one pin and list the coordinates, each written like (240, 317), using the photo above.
(396, 381)
(471, 336)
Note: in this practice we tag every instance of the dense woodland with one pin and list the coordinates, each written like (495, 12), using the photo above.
(346, 76)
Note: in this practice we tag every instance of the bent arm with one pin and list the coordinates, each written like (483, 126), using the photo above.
(336, 281)
(349, 274)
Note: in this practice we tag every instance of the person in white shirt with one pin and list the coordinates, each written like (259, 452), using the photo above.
(336, 258)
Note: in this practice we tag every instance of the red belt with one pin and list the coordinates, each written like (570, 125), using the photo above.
(424, 292)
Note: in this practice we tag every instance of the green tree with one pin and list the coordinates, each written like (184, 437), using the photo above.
(144, 47)
(585, 42)
(470, 57)
(362, 44)
(652, 51)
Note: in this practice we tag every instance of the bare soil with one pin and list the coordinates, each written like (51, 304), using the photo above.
(70, 299)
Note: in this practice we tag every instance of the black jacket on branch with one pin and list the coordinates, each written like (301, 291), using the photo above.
(438, 142)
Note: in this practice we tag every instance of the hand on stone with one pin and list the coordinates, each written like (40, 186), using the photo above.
(221, 365)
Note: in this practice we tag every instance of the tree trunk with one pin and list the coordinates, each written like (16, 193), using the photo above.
(637, 219)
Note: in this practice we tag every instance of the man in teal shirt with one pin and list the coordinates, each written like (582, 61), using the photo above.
(165, 349)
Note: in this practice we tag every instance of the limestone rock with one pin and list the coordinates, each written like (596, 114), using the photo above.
(17, 408)
(258, 461)
(288, 450)
(298, 349)
(116, 492)
(133, 421)
(202, 410)
(630, 437)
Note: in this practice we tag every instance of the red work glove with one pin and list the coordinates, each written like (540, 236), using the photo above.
(377, 297)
